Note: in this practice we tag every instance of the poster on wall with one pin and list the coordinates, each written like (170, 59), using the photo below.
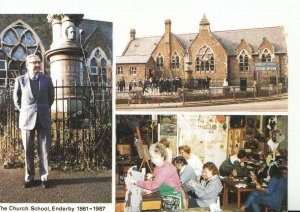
(206, 136)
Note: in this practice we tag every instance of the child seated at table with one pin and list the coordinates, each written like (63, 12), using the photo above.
(272, 196)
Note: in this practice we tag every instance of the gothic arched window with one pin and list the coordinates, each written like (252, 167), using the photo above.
(266, 56)
(93, 71)
(244, 61)
(159, 62)
(19, 40)
(205, 59)
(175, 61)
(98, 67)
(103, 74)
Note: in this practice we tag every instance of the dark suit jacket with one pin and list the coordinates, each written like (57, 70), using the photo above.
(29, 106)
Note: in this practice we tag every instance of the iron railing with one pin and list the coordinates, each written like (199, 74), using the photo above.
(81, 128)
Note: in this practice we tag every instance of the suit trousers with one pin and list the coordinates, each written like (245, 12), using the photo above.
(44, 140)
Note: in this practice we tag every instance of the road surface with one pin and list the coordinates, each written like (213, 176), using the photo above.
(263, 106)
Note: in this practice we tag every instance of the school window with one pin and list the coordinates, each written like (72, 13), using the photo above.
(93, 72)
(120, 70)
(3, 68)
(103, 74)
(273, 80)
(205, 60)
(159, 62)
(175, 62)
(198, 64)
(17, 42)
(244, 61)
(133, 70)
(266, 56)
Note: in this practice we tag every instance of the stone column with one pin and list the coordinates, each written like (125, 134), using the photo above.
(65, 54)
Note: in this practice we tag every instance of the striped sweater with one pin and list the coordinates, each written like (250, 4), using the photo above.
(208, 193)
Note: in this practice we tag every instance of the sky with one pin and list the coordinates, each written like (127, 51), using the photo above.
(147, 18)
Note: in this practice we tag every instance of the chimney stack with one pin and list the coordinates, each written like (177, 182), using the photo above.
(132, 34)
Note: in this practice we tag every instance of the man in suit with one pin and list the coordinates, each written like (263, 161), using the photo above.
(33, 96)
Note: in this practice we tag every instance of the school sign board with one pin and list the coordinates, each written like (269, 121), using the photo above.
(268, 66)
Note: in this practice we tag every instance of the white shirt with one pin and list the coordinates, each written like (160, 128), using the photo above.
(234, 158)
(169, 157)
(196, 164)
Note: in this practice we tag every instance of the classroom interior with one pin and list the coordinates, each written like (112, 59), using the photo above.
(213, 138)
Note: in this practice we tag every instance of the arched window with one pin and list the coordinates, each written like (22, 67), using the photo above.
(94, 71)
(103, 74)
(159, 62)
(175, 61)
(3, 69)
(18, 41)
(205, 59)
(244, 61)
(266, 56)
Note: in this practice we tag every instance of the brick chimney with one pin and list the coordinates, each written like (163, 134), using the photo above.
(132, 34)
(167, 30)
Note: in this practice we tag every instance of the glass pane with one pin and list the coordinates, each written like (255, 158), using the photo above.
(94, 70)
(31, 50)
(7, 50)
(10, 38)
(19, 54)
(2, 65)
(23, 68)
(2, 81)
(1, 55)
(2, 74)
(28, 39)
(93, 62)
(13, 66)
(103, 63)
(19, 30)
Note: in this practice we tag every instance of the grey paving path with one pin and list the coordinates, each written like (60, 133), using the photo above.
(66, 187)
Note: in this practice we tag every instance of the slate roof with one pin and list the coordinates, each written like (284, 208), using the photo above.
(186, 39)
(229, 39)
(133, 59)
(88, 27)
(254, 37)
(142, 46)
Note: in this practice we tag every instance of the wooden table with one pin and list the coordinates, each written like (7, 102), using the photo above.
(150, 201)
(229, 184)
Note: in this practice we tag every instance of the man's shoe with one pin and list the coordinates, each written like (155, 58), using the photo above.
(29, 184)
(45, 184)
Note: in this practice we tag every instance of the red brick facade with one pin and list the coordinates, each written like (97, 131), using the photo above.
(226, 55)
